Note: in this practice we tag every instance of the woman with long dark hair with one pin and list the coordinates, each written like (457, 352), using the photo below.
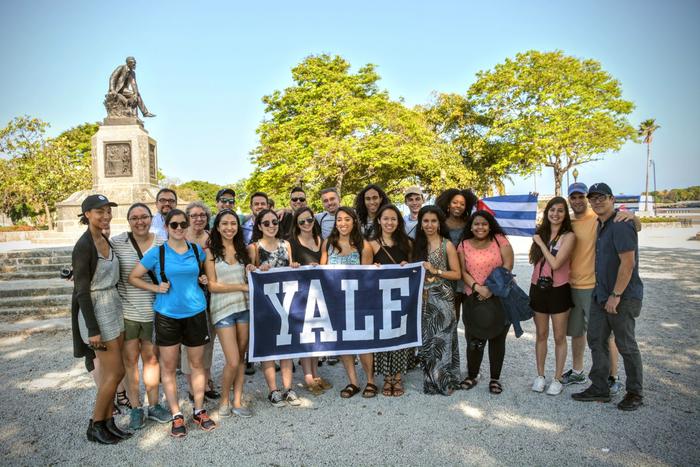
(96, 310)
(225, 266)
(138, 317)
(550, 292)
(483, 249)
(440, 352)
(345, 245)
(267, 251)
(305, 240)
(367, 204)
(457, 206)
(391, 246)
(180, 315)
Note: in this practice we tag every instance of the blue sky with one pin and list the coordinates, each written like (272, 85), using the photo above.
(204, 66)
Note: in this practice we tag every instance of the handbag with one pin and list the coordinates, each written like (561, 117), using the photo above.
(483, 319)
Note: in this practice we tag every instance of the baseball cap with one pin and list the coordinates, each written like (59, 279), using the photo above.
(94, 202)
(578, 187)
(412, 190)
(223, 191)
(600, 189)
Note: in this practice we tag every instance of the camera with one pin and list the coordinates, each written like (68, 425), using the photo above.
(545, 283)
(66, 273)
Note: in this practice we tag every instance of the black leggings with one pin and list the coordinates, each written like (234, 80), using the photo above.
(497, 351)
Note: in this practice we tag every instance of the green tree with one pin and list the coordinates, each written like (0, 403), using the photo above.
(43, 171)
(336, 128)
(646, 131)
(549, 109)
(203, 191)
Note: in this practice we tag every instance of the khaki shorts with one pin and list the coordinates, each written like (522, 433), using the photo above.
(578, 316)
(137, 330)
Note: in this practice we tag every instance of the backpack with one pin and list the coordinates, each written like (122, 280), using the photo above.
(163, 277)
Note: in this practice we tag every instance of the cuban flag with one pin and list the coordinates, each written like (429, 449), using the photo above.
(516, 214)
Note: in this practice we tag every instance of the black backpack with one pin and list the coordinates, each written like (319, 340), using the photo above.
(163, 277)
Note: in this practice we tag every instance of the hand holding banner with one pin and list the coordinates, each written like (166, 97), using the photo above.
(334, 310)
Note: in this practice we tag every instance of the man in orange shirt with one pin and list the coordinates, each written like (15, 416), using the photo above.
(582, 280)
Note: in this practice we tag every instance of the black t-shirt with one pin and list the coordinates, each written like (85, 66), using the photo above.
(303, 255)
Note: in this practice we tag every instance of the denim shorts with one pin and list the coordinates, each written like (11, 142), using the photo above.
(242, 317)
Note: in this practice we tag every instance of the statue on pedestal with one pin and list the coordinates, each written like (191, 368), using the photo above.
(123, 98)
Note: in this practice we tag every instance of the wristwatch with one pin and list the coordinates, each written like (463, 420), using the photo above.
(615, 294)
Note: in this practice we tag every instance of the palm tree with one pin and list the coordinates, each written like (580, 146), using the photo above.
(646, 131)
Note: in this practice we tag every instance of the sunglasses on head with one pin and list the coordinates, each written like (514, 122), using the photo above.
(269, 223)
(308, 220)
(298, 200)
(174, 225)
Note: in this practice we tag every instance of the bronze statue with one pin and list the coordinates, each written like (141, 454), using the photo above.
(123, 98)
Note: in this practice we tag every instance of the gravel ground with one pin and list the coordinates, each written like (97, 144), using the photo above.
(48, 396)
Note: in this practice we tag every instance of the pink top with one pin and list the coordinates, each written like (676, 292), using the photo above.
(560, 276)
(480, 263)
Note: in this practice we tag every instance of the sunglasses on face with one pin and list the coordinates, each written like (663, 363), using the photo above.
(298, 200)
(269, 223)
(308, 220)
(227, 200)
(175, 225)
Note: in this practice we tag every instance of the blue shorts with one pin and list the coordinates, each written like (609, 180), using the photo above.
(242, 317)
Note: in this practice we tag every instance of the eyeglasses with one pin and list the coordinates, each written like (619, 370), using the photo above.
(269, 223)
(308, 220)
(198, 216)
(174, 225)
(139, 219)
(298, 200)
(227, 200)
(167, 200)
(597, 199)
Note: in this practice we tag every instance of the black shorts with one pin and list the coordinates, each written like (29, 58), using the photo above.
(190, 332)
(551, 301)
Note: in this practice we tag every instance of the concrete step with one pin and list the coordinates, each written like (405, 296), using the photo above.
(38, 303)
(36, 260)
(23, 275)
(34, 267)
(34, 325)
(36, 253)
(37, 287)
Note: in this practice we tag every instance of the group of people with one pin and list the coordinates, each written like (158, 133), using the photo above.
(164, 290)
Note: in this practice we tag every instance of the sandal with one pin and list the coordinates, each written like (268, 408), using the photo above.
(398, 388)
(323, 383)
(370, 391)
(468, 383)
(123, 400)
(388, 388)
(349, 391)
(495, 387)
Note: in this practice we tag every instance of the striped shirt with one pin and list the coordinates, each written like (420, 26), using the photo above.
(137, 303)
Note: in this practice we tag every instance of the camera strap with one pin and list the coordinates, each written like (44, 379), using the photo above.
(550, 247)
(135, 244)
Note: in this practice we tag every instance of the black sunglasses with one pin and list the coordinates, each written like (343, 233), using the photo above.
(298, 200)
(227, 200)
(268, 223)
(174, 225)
(308, 220)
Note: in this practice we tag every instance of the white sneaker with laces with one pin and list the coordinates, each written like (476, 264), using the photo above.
(555, 388)
(539, 384)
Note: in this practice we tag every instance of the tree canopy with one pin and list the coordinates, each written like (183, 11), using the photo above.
(333, 127)
(549, 109)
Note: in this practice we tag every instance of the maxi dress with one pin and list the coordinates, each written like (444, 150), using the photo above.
(440, 351)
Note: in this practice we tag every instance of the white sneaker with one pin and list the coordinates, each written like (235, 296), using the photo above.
(555, 388)
(539, 384)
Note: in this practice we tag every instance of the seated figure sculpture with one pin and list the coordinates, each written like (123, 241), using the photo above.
(123, 98)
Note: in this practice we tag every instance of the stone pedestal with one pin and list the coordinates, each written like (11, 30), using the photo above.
(124, 169)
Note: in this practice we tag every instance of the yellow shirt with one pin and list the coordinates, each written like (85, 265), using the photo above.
(582, 274)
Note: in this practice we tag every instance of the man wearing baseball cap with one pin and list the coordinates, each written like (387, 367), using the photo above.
(616, 302)
(413, 197)
(582, 280)
(225, 199)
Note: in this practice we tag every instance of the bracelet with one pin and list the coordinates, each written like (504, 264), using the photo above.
(474, 284)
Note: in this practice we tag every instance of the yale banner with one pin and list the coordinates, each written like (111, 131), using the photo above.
(334, 310)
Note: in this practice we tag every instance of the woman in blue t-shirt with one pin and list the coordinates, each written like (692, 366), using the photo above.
(180, 314)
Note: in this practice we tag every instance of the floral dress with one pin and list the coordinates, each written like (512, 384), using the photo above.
(440, 351)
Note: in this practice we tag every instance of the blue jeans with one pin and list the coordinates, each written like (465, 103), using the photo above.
(242, 317)
(600, 324)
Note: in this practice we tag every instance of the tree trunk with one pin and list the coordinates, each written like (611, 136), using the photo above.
(558, 175)
(646, 185)
(47, 212)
